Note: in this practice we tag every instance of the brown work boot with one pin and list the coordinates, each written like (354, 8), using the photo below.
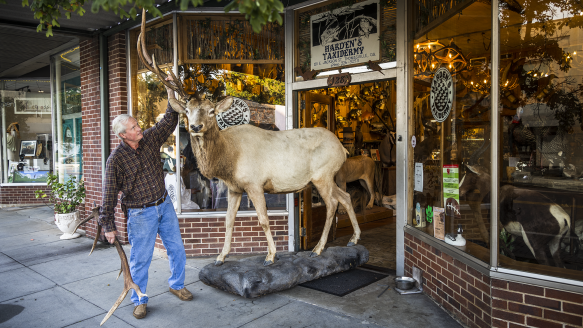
(140, 311)
(183, 294)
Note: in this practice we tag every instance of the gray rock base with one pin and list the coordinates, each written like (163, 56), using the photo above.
(249, 278)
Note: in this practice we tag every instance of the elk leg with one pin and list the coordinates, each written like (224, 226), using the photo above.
(331, 204)
(258, 200)
(234, 202)
(344, 199)
(367, 184)
(128, 282)
(341, 182)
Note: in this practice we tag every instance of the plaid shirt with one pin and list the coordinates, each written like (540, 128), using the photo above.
(136, 173)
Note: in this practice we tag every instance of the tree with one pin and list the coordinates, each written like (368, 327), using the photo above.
(48, 12)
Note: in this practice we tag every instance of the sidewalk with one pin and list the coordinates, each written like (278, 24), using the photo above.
(48, 282)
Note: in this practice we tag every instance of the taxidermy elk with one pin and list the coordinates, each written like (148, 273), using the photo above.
(525, 213)
(252, 160)
(360, 168)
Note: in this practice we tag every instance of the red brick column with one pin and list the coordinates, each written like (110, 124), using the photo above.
(118, 104)
(91, 127)
(91, 111)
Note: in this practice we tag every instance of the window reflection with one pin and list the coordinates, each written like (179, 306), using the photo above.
(540, 160)
(451, 106)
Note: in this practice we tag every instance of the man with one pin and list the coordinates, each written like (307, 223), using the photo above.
(134, 168)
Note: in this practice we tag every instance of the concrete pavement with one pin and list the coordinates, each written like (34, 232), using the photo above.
(48, 282)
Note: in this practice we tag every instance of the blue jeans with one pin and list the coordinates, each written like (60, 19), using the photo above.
(143, 226)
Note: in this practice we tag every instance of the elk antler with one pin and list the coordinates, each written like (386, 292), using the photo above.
(151, 65)
(128, 282)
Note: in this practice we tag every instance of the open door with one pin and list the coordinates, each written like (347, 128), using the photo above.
(319, 112)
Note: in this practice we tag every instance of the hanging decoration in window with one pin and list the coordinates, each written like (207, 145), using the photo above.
(441, 98)
(222, 38)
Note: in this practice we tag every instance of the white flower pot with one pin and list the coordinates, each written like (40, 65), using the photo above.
(67, 223)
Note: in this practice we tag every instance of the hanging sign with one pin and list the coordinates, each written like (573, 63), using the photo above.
(451, 190)
(237, 114)
(418, 177)
(345, 36)
(339, 80)
(441, 99)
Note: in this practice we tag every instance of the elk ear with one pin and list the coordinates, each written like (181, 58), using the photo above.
(223, 105)
(178, 106)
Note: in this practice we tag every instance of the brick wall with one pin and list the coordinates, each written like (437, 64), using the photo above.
(91, 127)
(205, 236)
(519, 305)
(20, 195)
(92, 118)
(461, 290)
(479, 301)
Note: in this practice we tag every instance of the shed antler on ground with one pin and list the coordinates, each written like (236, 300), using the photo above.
(128, 282)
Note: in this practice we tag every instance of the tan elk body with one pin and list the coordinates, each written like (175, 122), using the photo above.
(252, 160)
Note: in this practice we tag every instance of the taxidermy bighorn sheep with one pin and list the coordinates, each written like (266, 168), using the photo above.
(252, 160)
(128, 282)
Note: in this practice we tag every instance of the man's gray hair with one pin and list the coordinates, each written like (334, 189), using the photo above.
(119, 124)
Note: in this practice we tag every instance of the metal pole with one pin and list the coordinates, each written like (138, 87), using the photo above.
(4, 157)
(404, 83)
(177, 132)
(292, 223)
(495, 145)
(59, 121)
(104, 97)
(53, 113)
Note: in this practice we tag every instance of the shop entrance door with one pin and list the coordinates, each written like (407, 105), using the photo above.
(319, 112)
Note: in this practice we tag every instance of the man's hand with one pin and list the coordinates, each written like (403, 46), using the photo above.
(170, 91)
(110, 236)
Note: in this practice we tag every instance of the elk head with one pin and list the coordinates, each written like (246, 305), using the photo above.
(199, 111)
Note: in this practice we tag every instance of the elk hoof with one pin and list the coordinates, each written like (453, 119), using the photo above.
(219, 263)
(267, 263)
(314, 254)
(350, 244)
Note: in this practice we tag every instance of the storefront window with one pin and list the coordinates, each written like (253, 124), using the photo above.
(261, 89)
(451, 127)
(541, 162)
(228, 59)
(67, 118)
(26, 130)
(345, 37)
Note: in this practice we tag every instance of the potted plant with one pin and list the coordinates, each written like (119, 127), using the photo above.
(64, 198)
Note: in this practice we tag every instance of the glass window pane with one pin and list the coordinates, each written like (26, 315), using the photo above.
(26, 122)
(67, 103)
(451, 114)
(541, 162)
(261, 87)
